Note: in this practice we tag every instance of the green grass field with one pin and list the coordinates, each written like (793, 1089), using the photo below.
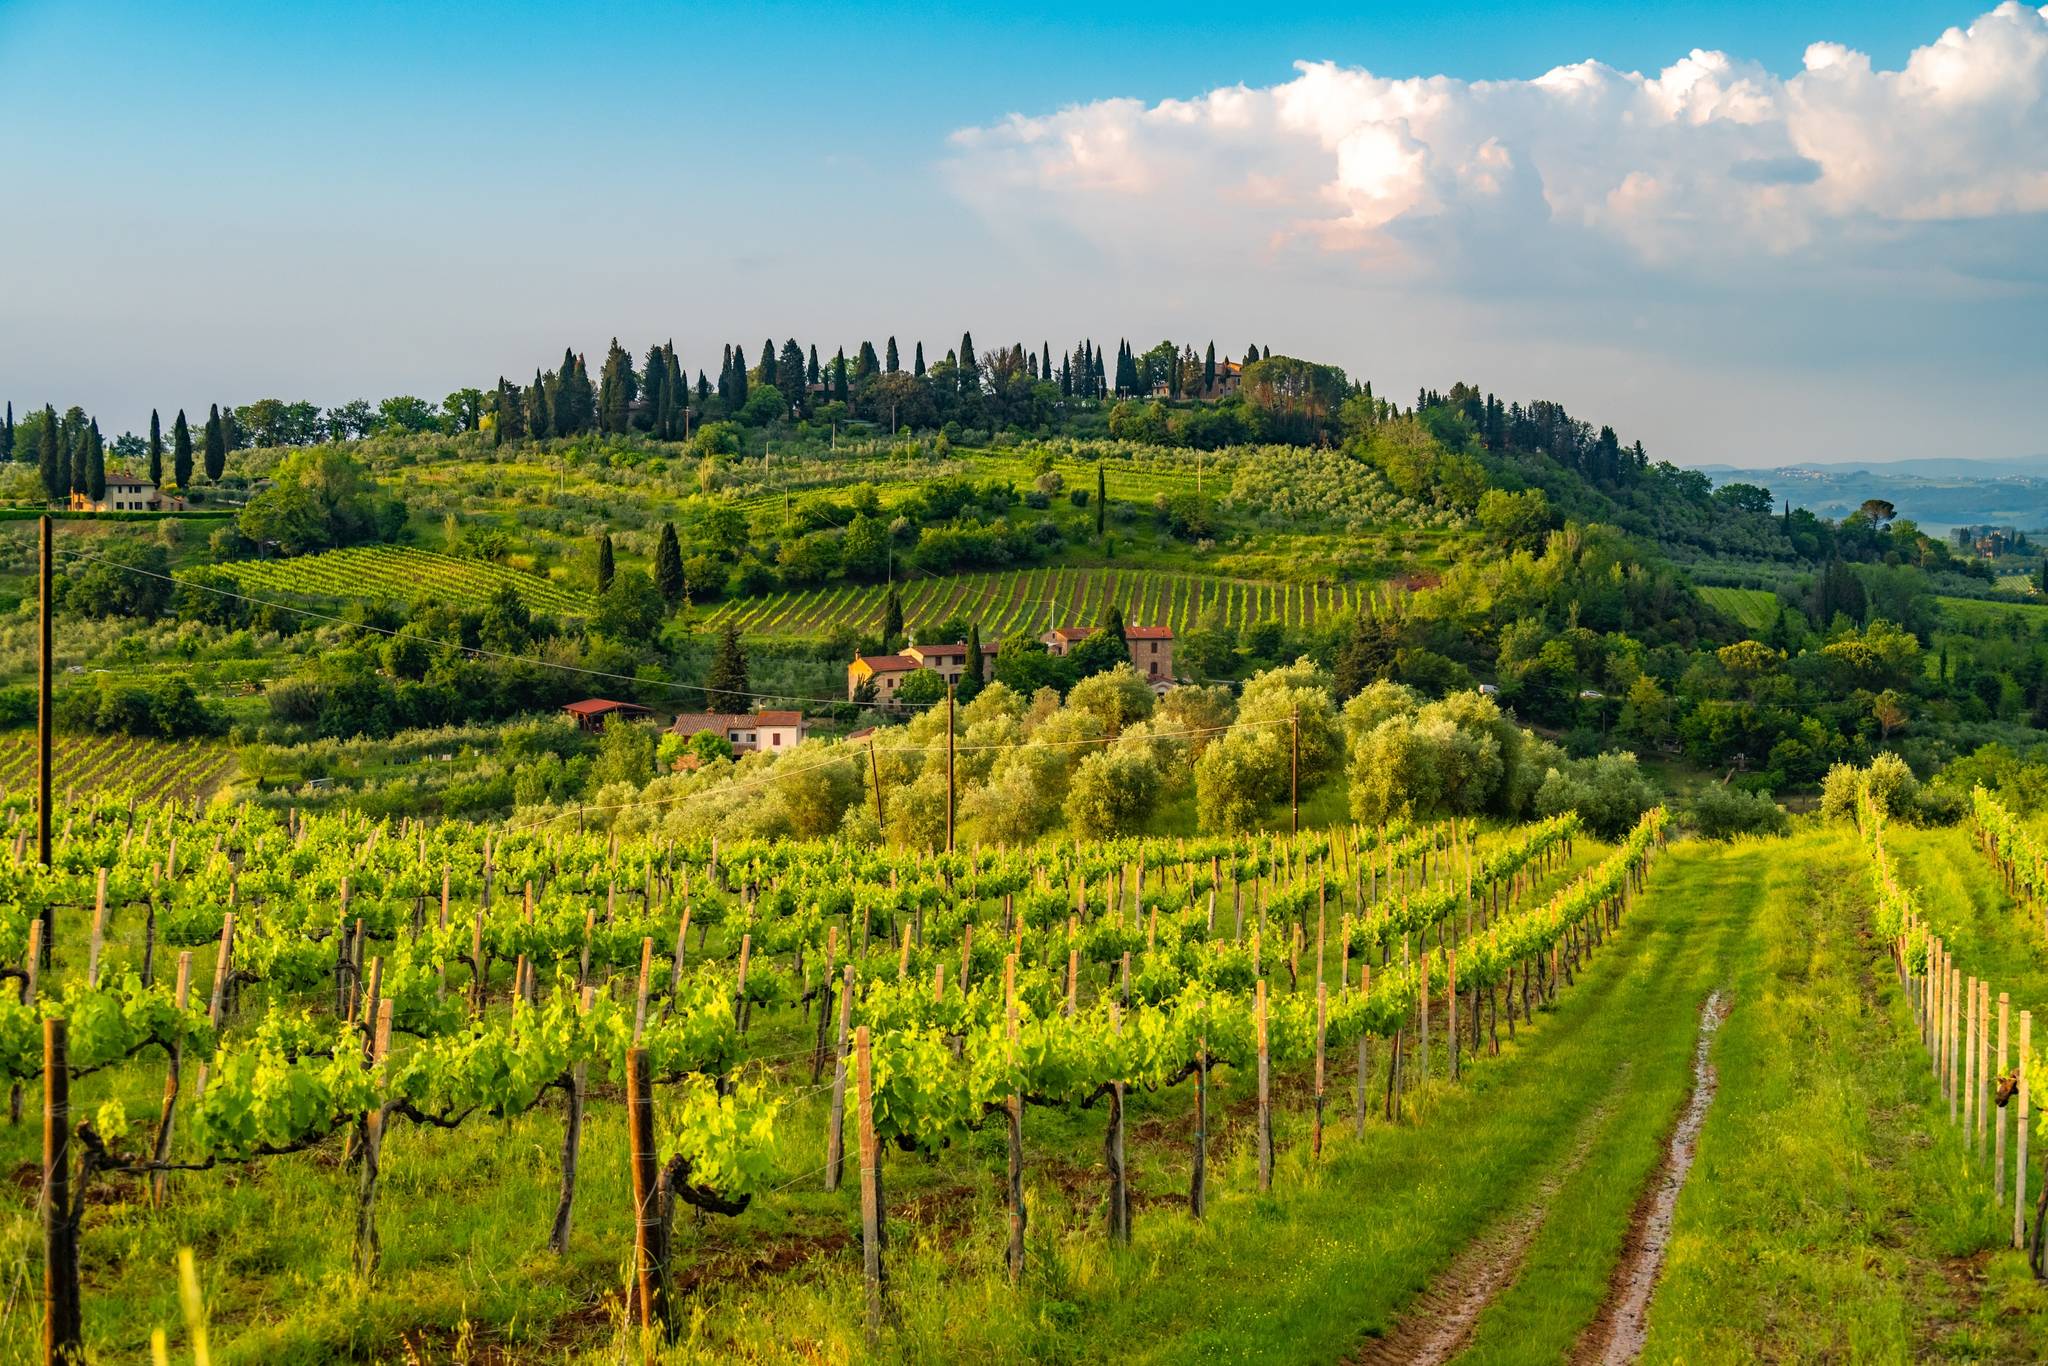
(1976, 614)
(401, 574)
(1035, 600)
(1754, 608)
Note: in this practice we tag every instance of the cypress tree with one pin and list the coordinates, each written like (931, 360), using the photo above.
(839, 375)
(892, 621)
(1045, 361)
(917, 369)
(728, 689)
(970, 675)
(678, 396)
(864, 362)
(703, 389)
(1066, 378)
(668, 565)
(156, 449)
(768, 362)
(1209, 370)
(811, 371)
(50, 456)
(725, 377)
(232, 437)
(791, 370)
(80, 455)
(889, 359)
(96, 467)
(1101, 501)
(216, 446)
(181, 451)
(969, 373)
(539, 425)
(7, 433)
(1112, 621)
(605, 564)
(739, 377)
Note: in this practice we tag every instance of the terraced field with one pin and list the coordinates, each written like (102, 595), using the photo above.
(117, 763)
(401, 574)
(1020, 600)
(1755, 608)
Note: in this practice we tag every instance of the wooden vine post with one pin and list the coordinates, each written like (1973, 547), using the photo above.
(1113, 1152)
(1998, 1132)
(1322, 1029)
(1013, 1114)
(2019, 1172)
(1198, 1193)
(649, 1282)
(871, 1215)
(835, 1133)
(63, 1322)
(1265, 1090)
(366, 1247)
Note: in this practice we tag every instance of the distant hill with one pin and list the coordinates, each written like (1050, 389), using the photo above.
(1937, 492)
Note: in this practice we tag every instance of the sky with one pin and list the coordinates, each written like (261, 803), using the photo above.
(1740, 232)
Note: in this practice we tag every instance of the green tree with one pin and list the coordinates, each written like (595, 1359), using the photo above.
(1101, 500)
(156, 449)
(668, 565)
(216, 446)
(625, 754)
(921, 687)
(727, 687)
(606, 564)
(971, 672)
(181, 451)
(1112, 792)
(630, 609)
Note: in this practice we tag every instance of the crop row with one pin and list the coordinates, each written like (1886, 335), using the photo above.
(126, 764)
(402, 574)
(1018, 601)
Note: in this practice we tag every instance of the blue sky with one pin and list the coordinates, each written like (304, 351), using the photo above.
(223, 201)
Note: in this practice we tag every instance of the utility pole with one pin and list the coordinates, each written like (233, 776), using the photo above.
(1294, 776)
(875, 772)
(45, 718)
(949, 768)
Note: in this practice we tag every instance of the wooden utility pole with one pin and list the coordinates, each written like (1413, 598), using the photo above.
(45, 719)
(949, 767)
(875, 771)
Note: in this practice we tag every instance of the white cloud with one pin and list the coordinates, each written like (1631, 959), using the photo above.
(1712, 169)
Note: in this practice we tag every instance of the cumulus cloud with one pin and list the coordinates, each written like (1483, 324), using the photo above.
(1712, 161)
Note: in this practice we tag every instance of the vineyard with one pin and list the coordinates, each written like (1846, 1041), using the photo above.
(290, 1012)
(117, 765)
(1019, 601)
(1753, 608)
(401, 574)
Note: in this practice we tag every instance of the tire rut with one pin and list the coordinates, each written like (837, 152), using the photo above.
(1437, 1325)
(1619, 1331)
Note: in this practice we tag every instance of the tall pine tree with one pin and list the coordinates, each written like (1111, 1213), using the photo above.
(7, 433)
(768, 362)
(216, 446)
(668, 565)
(539, 423)
(969, 373)
(1101, 501)
(156, 449)
(181, 452)
(839, 375)
(917, 367)
(606, 565)
(1209, 371)
(890, 361)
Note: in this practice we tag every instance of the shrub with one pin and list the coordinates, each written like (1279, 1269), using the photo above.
(1721, 812)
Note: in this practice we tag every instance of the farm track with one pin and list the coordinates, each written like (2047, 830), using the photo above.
(1622, 1327)
(1438, 1324)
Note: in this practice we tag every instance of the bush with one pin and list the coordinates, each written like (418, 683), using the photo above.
(1721, 812)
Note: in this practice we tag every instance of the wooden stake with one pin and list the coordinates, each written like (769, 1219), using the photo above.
(835, 1134)
(871, 1216)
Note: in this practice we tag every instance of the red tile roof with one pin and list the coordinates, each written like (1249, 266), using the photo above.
(777, 718)
(1148, 633)
(889, 664)
(933, 651)
(598, 706)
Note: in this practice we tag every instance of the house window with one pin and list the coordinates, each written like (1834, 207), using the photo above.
(775, 738)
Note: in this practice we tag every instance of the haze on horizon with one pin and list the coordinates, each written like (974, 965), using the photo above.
(1790, 239)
